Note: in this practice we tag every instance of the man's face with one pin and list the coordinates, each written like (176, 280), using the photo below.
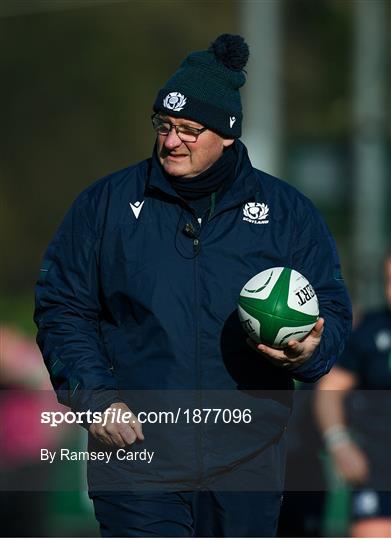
(188, 159)
(387, 277)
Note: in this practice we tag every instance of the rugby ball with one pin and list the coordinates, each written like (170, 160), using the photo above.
(278, 305)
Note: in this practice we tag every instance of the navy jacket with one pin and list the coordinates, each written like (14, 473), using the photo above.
(131, 298)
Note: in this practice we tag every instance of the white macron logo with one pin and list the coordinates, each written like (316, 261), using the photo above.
(232, 120)
(256, 213)
(174, 101)
(136, 208)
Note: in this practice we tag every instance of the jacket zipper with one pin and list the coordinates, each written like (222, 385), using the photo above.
(198, 446)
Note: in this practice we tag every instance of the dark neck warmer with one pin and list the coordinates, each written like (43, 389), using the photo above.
(222, 172)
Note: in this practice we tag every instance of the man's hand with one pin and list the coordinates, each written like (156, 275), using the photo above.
(350, 462)
(118, 433)
(297, 352)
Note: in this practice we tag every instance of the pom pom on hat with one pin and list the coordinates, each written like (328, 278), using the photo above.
(231, 50)
(206, 86)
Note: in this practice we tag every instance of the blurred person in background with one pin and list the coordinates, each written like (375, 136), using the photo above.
(353, 407)
(138, 291)
(26, 392)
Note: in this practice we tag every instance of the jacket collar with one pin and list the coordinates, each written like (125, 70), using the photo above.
(244, 187)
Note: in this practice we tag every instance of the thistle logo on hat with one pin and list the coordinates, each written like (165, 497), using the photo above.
(206, 86)
(174, 101)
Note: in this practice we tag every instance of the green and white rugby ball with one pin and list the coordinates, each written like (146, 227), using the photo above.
(278, 305)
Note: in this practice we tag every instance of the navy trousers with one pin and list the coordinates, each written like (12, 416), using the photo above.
(187, 514)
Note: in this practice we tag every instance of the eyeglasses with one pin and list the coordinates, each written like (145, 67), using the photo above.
(184, 132)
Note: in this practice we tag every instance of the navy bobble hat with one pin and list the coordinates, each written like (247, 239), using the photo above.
(205, 88)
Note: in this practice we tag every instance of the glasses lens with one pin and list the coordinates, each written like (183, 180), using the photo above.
(161, 127)
(186, 135)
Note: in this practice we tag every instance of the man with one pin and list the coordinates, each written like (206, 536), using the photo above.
(353, 407)
(137, 308)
